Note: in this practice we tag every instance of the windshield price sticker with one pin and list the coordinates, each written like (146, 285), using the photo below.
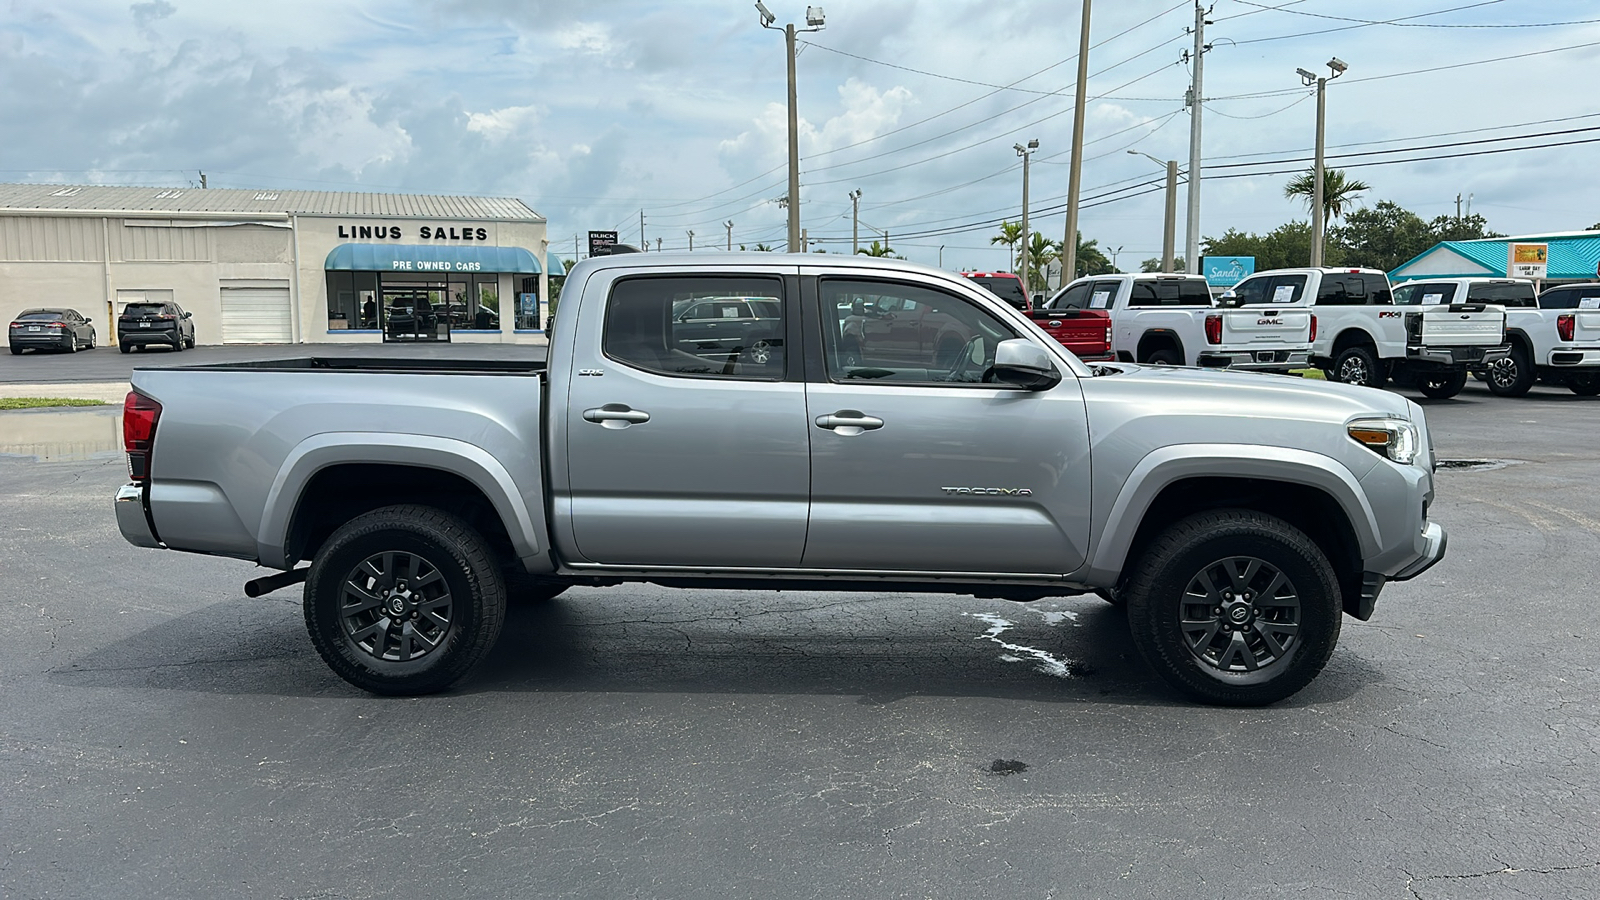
(1432, 298)
(1589, 303)
(1283, 293)
(1100, 300)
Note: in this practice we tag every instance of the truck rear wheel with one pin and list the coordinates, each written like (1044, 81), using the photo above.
(1512, 376)
(1359, 365)
(1234, 607)
(1442, 385)
(1584, 384)
(1164, 357)
(404, 600)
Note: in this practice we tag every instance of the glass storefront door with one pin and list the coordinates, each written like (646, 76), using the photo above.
(415, 311)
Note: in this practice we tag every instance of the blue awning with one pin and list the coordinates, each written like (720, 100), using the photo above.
(423, 258)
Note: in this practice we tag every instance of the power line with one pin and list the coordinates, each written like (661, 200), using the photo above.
(1404, 23)
(1481, 141)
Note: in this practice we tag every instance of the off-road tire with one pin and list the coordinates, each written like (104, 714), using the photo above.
(1157, 596)
(476, 609)
(1442, 387)
(1358, 365)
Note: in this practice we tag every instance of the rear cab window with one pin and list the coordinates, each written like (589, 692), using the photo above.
(1074, 297)
(1169, 292)
(1510, 294)
(1273, 290)
(1007, 289)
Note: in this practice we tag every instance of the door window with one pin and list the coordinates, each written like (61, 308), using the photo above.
(1103, 294)
(1286, 289)
(879, 331)
(716, 327)
(1512, 294)
(1252, 291)
(1421, 293)
(1074, 297)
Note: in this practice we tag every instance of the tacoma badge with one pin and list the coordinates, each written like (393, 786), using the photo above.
(987, 491)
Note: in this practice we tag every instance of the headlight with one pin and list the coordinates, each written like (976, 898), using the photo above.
(1395, 438)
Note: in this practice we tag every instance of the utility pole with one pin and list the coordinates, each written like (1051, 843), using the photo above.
(203, 182)
(1458, 209)
(815, 23)
(1069, 246)
(1191, 248)
(855, 221)
(691, 241)
(1317, 169)
(805, 242)
(1169, 231)
(575, 254)
(658, 245)
(1026, 153)
(729, 225)
(644, 243)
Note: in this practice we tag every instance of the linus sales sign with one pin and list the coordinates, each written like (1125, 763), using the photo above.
(1528, 261)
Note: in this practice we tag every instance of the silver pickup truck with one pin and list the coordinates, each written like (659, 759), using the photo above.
(959, 450)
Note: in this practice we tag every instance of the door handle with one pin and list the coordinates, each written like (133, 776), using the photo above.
(616, 415)
(849, 421)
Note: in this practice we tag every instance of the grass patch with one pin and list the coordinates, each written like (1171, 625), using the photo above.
(45, 402)
(1311, 373)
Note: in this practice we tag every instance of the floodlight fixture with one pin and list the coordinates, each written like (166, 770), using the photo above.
(1309, 78)
(767, 18)
(1338, 66)
(814, 16)
(1033, 144)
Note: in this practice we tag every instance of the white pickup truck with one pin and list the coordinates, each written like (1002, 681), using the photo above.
(1171, 320)
(1365, 337)
(1555, 337)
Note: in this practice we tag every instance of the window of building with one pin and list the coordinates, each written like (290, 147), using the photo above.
(648, 325)
(352, 301)
(882, 331)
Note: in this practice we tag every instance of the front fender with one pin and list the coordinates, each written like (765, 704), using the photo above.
(520, 507)
(1170, 464)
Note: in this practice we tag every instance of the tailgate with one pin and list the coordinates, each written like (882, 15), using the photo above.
(1256, 329)
(1472, 325)
(1586, 326)
(1086, 332)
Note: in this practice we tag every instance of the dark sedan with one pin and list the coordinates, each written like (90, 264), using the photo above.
(51, 329)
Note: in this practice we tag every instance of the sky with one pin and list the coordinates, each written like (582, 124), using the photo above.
(593, 112)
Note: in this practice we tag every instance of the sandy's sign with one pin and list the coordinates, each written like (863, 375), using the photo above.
(1528, 261)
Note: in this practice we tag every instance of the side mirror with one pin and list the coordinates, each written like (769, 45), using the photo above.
(1230, 300)
(1021, 363)
(188, 315)
(87, 320)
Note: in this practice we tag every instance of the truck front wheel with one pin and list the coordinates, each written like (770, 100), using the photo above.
(1234, 607)
(1442, 385)
(404, 600)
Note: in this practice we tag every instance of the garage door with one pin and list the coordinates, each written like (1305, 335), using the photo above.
(256, 315)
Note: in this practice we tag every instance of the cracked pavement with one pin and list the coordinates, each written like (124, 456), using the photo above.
(161, 735)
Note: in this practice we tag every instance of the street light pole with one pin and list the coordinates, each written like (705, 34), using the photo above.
(855, 221)
(1026, 153)
(1069, 246)
(1338, 67)
(1191, 248)
(691, 241)
(814, 20)
(1169, 232)
(729, 225)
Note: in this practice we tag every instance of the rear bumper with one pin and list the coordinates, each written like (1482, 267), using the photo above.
(141, 336)
(1574, 357)
(1456, 356)
(1256, 360)
(41, 340)
(132, 519)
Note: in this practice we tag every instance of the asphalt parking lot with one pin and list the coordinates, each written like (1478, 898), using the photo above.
(163, 736)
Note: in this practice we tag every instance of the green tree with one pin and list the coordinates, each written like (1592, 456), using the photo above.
(1381, 237)
(1465, 228)
(1090, 260)
(879, 249)
(1286, 246)
(1153, 264)
(1041, 253)
(1010, 235)
(1338, 192)
(764, 248)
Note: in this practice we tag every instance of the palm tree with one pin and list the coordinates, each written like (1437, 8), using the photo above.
(763, 248)
(1010, 234)
(879, 249)
(1338, 192)
(1041, 253)
(1090, 260)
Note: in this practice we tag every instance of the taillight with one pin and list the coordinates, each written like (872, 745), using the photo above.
(1564, 326)
(1213, 329)
(1313, 327)
(139, 415)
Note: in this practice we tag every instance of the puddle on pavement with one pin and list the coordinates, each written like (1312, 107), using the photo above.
(50, 435)
(1476, 465)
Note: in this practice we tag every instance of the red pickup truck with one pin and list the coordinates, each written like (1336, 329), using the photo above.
(1086, 332)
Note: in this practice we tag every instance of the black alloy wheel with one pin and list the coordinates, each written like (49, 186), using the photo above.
(1442, 385)
(1234, 607)
(1359, 365)
(1513, 375)
(404, 600)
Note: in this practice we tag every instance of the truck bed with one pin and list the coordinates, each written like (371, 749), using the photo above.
(377, 364)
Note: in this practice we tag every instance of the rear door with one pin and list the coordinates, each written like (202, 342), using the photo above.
(676, 458)
(918, 465)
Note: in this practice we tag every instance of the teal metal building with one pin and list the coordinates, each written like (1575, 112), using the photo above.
(1574, 256)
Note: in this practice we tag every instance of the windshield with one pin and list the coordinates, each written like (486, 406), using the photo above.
(40, 315)
(1007, 289)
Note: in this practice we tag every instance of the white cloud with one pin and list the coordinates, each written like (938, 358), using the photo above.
(504, 123)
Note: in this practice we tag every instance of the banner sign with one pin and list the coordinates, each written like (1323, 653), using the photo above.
(1528, 261)
(1227, 271)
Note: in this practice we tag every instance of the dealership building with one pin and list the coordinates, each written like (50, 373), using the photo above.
(258, 266)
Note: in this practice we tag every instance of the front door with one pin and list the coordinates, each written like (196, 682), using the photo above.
(916, 463)
(686, 457)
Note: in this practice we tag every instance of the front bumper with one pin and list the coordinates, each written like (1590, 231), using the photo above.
(1430, 545)
(1255, 360)
(132, 519)
(1456, 356)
